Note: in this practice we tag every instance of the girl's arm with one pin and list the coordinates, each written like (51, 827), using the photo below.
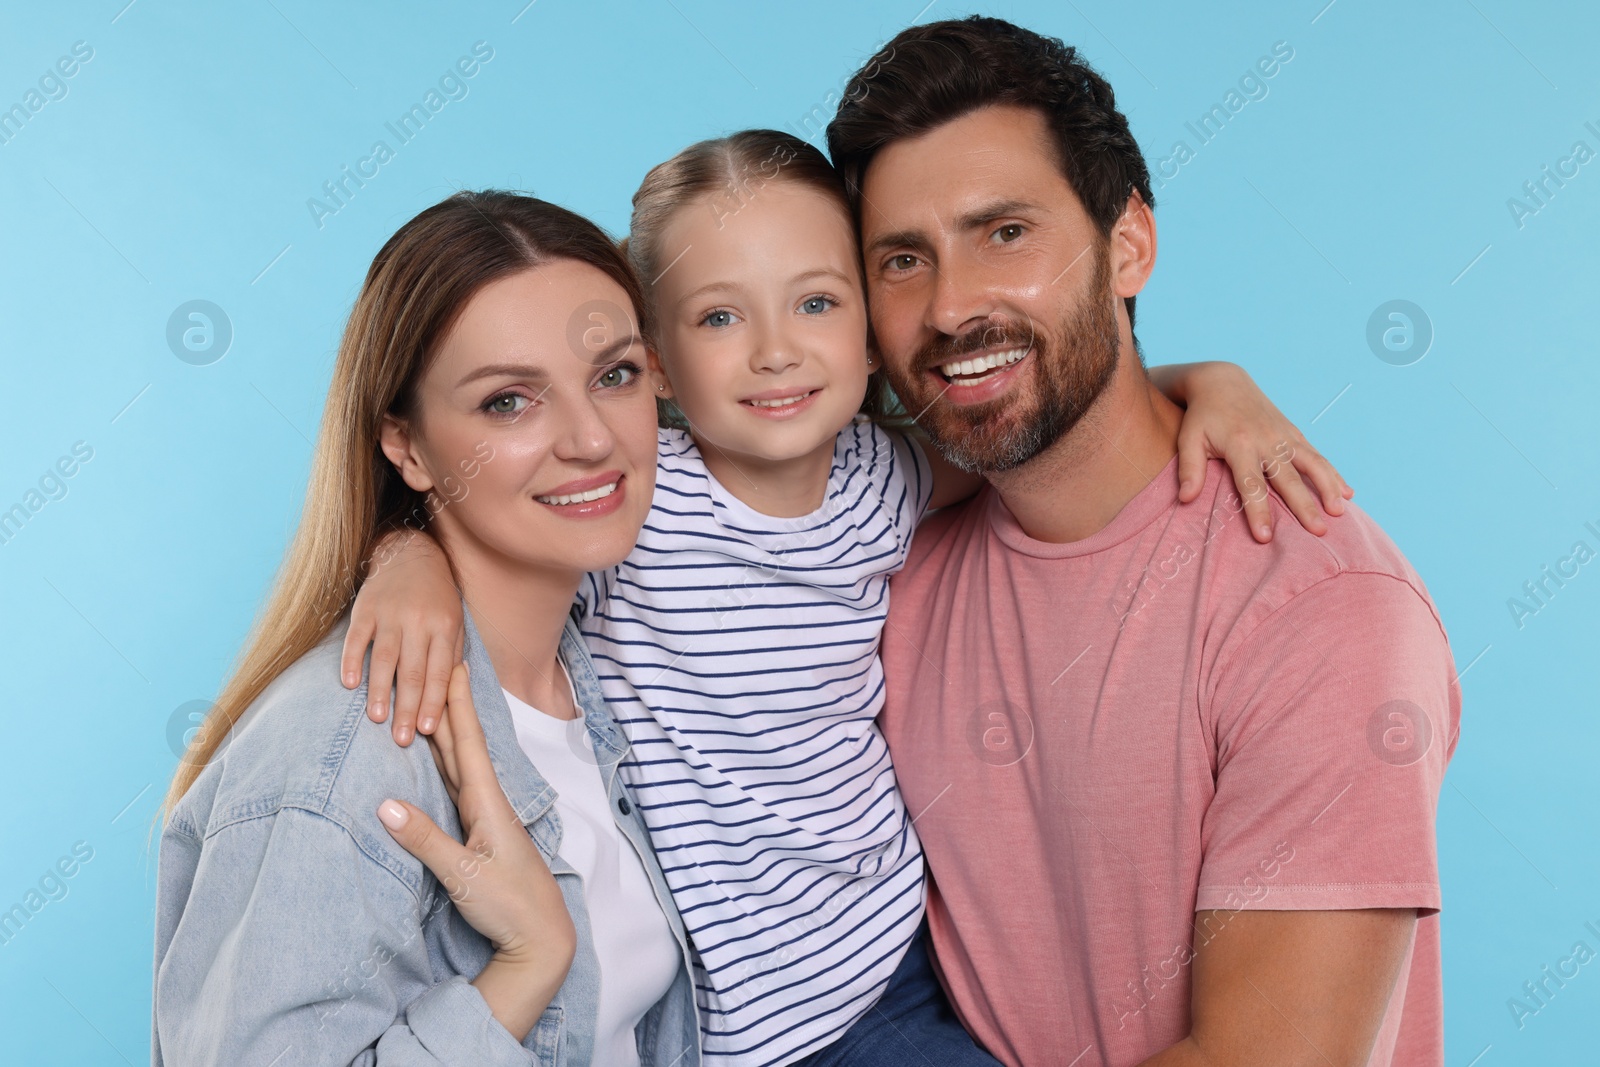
(1227, 417)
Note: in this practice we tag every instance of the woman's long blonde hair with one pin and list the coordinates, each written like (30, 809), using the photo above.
(417, 286)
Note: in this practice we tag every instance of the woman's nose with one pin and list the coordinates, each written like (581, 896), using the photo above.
(584, 437)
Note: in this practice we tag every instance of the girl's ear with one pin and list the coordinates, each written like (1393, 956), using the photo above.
(394, 437)
(660, 384)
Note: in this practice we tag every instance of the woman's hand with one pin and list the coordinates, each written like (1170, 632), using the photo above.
(497, 879)
(1229, 418)
(409, 610)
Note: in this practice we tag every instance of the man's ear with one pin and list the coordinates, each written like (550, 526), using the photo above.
(660, 384)
(1133, 247)
(394, 437)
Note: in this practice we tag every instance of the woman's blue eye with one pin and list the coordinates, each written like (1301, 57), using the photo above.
(718, 319)
(816, 305)
(619, 375)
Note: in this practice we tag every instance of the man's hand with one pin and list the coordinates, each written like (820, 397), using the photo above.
(1290, 988)
(409, 611)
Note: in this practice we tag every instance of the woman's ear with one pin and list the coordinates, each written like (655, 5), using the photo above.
(394, 437)
(660, 384)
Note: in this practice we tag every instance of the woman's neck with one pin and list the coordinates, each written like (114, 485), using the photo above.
(520, 614)
(781, 488)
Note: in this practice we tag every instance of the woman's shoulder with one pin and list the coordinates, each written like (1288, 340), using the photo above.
(306, 743)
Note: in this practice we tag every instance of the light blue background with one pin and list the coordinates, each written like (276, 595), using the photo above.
(178, 167)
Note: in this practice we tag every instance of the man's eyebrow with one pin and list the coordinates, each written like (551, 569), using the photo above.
(999, 209)
(899, 239)
(979, 216)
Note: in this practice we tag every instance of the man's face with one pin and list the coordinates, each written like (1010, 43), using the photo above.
(991, 289)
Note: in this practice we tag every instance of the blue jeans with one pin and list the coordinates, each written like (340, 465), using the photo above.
(912, 1025)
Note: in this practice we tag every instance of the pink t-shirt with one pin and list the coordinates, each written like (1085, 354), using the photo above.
(1100, 738)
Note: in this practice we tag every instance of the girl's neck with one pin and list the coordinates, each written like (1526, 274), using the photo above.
(783, 489)
(520, 614)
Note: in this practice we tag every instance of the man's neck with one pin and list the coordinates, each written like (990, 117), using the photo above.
(1077, 486)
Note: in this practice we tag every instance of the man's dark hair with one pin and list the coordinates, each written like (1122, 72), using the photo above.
(930, 75)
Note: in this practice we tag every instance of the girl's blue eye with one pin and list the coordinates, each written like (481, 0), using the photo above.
(718, 319)
(816, 305)
(617, 376)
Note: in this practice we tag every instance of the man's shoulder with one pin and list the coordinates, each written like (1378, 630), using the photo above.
(1354, 551)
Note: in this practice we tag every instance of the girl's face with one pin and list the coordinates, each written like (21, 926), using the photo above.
(763, 321)
(535, 450)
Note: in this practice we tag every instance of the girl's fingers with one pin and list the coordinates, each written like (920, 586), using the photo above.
(380, 676)
(1192, 457)
(436, 685)
(1253, 490)
(410, 672)
(356, 640)
(1330, 484)
(1299, 498)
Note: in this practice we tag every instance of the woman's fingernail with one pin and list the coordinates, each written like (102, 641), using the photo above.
(425, 726)
(403, 735)
(392, 814)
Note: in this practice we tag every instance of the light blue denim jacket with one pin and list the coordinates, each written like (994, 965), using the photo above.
(291, 929)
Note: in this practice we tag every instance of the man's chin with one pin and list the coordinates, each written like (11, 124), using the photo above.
(988, 440)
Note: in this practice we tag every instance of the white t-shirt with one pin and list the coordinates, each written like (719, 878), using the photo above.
(637, 952)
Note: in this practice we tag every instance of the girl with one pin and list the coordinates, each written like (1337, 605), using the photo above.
(737, 645)
(290, 929)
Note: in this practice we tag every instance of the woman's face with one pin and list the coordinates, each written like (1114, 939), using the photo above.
(536, 441)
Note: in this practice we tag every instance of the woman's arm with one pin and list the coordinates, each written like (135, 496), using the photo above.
(283, 939)
(1227, 417)
(291, 942)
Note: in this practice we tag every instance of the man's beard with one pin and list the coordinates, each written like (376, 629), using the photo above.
(1007, 432)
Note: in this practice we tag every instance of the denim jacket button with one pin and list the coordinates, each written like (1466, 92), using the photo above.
(623, 806)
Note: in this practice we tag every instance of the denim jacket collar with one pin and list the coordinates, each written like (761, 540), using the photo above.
(531, 797)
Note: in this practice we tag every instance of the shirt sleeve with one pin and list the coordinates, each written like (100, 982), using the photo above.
(593, 589)
(1334, 719)
(906, 478)
(315, 957)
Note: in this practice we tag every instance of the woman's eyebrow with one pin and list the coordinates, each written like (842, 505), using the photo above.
(510, 370)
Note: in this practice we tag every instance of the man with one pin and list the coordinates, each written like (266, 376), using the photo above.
(1177, 789)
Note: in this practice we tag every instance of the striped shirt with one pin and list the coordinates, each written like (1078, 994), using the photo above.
(740, 654)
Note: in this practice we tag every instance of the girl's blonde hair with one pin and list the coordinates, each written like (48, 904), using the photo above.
(724, 174)
(416, 288)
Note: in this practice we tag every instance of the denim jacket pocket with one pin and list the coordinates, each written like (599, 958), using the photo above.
(546, 1037)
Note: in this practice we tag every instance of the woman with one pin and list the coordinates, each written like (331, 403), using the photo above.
(290, 927)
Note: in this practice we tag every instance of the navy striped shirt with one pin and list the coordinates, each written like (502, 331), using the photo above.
(740, 654)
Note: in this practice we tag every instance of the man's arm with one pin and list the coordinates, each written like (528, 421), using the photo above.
(1285, 988)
